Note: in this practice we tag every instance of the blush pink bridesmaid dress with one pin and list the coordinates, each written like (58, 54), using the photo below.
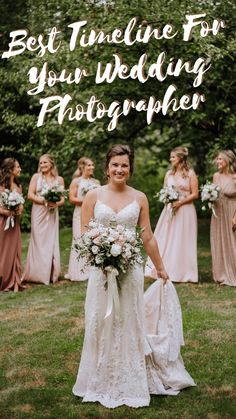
(176, 236)
(43, 258)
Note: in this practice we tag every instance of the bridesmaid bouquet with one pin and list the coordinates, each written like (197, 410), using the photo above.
(53, 193)
(209, 193)
(113, 249)
(167, 195)
(88, 187)
(11, 201)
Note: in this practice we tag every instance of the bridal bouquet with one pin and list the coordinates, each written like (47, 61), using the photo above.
(113, 249)
(167, 195)
(89, 187)
(209, 193)
(114, 246)
(11, 200)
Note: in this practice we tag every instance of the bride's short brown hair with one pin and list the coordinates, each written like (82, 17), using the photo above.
(120, 150)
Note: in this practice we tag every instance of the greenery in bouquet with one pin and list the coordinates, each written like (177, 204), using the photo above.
(89, 187)
(53, 193)
(114, 246)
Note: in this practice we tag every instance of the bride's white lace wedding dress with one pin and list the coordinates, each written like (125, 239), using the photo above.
(126, 358)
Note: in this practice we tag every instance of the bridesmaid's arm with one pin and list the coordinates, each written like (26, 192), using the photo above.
(149, 241)
(73, 193)
(87, 209)
(20, 208)
(32, 196)
(165, 179)
(192, 196)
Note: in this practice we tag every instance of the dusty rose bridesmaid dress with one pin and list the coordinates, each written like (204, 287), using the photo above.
(43, 258)
(177, 238)
(10, 248)
(223, 239)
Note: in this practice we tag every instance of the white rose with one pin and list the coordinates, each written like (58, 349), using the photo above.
(115, 250)
(92, 224)
(87, 240)
(98, 259)
(95, 249)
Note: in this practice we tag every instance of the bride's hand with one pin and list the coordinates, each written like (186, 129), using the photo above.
(163, 275)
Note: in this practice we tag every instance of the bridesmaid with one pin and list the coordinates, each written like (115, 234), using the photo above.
(43, 258)
(10, 239)
(82, 181)
(223, 226)
(177, 234)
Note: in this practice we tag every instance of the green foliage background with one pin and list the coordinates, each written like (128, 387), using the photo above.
(209, 128)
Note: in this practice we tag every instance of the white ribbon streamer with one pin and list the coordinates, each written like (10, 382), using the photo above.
(10, 222)
(211, 206)
(112, 291)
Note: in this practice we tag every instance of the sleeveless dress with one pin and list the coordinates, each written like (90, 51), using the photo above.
(76, 269)
(113, 369)
(43, 258)
(10, 245)
(223, 239)
(176, 236)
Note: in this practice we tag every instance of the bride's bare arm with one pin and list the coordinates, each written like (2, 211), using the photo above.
(87, 209)
(149, 241)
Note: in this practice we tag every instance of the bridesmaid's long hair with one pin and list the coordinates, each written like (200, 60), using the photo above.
(81, 163)
(6, 169)
(230, 157)
(182, 154)
(51, 160)
(120, 150)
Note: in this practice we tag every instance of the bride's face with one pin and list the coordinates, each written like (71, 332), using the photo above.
(119, 169)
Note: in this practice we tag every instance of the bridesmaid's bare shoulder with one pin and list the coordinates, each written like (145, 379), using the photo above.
(216, 176)
(192, 173)
(36, 176)
(60, 180)
(96, 181)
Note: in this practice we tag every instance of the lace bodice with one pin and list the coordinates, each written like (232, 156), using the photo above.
(127, 216)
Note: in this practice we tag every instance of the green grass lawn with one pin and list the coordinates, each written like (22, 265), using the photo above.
(41, 341)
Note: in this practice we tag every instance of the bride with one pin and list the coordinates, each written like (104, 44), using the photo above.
(126, 358)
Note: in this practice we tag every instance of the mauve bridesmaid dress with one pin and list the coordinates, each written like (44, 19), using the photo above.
(10, 248)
